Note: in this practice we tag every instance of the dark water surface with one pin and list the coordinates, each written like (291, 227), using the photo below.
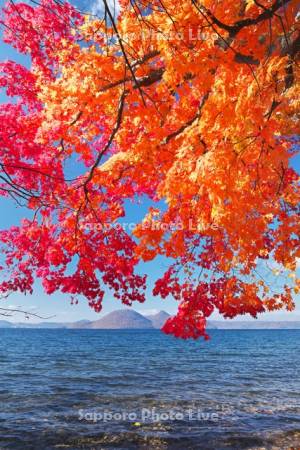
(96, 389)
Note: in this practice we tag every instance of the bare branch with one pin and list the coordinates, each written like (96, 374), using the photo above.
(6, 311)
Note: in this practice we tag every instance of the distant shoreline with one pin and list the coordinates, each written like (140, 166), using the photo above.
(63, 328)
(128, 319)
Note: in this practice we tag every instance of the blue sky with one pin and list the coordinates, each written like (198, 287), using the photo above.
(58, 305)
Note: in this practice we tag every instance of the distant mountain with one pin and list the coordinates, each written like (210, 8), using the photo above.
(122, 319)
(211, 326)
(158, 319)
(80, 324)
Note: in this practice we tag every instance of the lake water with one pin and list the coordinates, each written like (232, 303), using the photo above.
(96, 389)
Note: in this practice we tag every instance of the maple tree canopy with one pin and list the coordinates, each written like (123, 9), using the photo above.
(190, 104)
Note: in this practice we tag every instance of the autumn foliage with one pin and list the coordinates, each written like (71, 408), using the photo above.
(191, 104)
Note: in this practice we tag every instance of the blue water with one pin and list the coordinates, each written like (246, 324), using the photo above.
(241, 390)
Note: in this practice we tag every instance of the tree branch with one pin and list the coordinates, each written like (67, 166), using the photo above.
(235, 28)
(5, 311)
(189, 122)
(109, 142)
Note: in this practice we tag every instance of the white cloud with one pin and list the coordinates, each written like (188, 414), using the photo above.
(149, 312)
(97, 7)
